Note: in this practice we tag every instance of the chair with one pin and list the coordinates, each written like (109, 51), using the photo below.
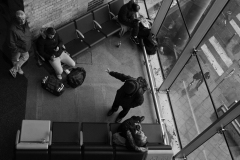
(121, 152)
(33, 140)
(114, 8)
(108, 25)
(96, 141)
(74, 45)
(156, 147)
(65, 141)
(87, 29)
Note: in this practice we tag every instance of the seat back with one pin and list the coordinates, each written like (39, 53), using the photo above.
(101, 14)
(114, 127)
(67, 32)
(85, 23)
(153, 133)
(95, 133)
(115, 6)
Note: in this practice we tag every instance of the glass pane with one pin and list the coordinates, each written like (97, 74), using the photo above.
(232, 134)
(172, 38)
(191, 103)
(153, 7)
(193, 12)
(213, 149)
(219, 54)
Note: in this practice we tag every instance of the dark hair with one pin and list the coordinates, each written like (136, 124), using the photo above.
(135, 7)
(142, 82)
(51, 31)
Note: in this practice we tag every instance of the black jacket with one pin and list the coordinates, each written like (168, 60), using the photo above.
(126, 14)
(19, 39)
(46, 46)
(123, 99)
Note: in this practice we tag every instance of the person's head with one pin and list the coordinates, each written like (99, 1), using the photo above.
(140, 138)
(20, 17)
(143, 83)
(207, 75)
(50, 32)
(135, 7)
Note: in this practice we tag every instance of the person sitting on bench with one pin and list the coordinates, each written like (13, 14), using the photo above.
(51, 48)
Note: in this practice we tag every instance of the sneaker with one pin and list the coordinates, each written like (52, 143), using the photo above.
(20, 71)
(135, 40)
(59, 77)
(13, 72)
(110, 112)
(118, 120)
(67, 71)
(142, 119)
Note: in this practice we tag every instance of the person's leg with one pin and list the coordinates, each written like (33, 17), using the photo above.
(65, 58)
(15, 60)
(135, 31)
(56, 64)
(23, 58)
(122, 114)
(115, 106)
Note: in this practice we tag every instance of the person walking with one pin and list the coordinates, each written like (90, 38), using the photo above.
(18, 43)
(130, 95)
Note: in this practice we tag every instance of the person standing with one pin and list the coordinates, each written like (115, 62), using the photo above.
(130, 95)
(127, 16)
(19, 42)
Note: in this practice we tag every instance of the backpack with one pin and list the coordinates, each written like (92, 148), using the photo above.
(53, 85)
(76, 77)
(150, 45)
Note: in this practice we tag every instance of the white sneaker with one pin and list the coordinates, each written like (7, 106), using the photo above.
(20, 71)
(59, 77)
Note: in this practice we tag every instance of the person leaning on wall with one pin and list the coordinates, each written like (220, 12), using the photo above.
(130, 95)
(18, 43)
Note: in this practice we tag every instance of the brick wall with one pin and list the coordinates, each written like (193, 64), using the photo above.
(54, 13)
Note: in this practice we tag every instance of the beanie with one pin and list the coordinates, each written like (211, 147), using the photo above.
(129, 87)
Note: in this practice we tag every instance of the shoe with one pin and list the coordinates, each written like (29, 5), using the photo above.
(135, 40)
(59, 77)
(13, 72)
(110, 112)
(142, 119)
(118, 120)
(20, 71)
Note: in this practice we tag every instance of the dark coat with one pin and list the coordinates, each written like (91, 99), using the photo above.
(19, 39)
(46, 46)
(122, 98)
(126, 14)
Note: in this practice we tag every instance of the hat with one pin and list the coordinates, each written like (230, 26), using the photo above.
(50, 31)
(129, 87)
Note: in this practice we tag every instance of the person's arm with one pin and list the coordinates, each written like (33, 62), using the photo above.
(122, 15)
(60, 41)
(132, 143)
(120, 76)
(138, 101)
(12, 39)
(40, 48)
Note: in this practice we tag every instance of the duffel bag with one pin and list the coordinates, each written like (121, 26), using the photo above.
(76, 77)
(53, 85)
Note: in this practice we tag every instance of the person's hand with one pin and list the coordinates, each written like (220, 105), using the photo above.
(108, 70)
(56, 49)
(52, 57)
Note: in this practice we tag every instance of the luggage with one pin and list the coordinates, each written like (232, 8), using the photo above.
(53, 85)
(150, 45)
(76, 77)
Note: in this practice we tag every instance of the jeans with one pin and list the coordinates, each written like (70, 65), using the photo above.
(56, 62)
(19, 59)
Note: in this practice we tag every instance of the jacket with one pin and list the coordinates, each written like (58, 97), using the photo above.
(123, 99)
(46, 46)
(126, 14)
(19, 39)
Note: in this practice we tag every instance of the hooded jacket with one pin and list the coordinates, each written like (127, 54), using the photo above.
(46, 46)
(126, 14)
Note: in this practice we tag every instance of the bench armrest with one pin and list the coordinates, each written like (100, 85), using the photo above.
(113, 16)
(79, 34)
(97, 24)
(17, 137)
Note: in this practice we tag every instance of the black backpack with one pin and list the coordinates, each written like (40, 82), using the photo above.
(76, 77)
(150, 45)
(53, 85)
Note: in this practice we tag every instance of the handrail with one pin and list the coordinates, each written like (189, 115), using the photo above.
(166, 139)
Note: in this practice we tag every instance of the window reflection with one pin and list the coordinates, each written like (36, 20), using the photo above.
(213, 149)
(153, 7)
(192, 106)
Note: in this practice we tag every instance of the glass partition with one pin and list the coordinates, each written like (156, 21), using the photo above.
(192, 106)
(153, 7)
